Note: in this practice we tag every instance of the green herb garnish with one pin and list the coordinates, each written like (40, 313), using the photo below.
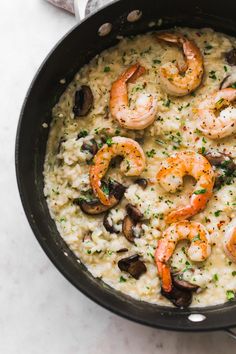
(230, 295)
(122, 279)
(200, 191)
(212, 75)
(109, 142)
(151, 153)
(107, 69)
(156, 61)
(217, 213)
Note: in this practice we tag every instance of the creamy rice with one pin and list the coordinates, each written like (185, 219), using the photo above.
(175, 129)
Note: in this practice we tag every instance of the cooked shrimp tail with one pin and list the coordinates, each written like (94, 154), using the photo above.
(146, 106)
(198, 251)
(132, 165)
(217, 115)
(180, 81)
(171, 176)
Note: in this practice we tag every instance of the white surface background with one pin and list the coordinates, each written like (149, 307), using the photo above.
(40, 312)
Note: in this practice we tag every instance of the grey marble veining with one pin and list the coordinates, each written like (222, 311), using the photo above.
(40, 312)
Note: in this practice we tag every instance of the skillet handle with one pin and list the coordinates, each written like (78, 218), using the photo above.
(231, 333)
(80, 6)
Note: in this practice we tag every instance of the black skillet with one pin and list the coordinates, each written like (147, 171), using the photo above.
(72, 52)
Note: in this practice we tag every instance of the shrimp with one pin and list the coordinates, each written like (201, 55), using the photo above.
(133, 164)
(146, 105)
(217, 116)
(180, 81)
(198, 251)
(171, 176)
(230, 241)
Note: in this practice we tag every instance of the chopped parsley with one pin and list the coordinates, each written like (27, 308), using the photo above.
(157, 61)
(215, 278)
(230, 295)
(200, 191)
(109, 142)
(196, 238)
(212, 75)
(167, 103)
(107, 69)
(82, 134)
(105, 189)
(151, 153)
(234, 273)
(122, 279)
(208, 47)
(217, 213)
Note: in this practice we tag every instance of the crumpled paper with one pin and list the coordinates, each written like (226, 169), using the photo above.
(67, 5)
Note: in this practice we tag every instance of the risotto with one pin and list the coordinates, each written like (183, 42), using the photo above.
(159, 225)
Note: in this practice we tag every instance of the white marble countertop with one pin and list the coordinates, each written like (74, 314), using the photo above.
(40, 311)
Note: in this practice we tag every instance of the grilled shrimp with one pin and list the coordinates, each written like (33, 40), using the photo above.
(171, 176)
(132, 165)
(180, 81)
(146, 105)
(230, 241)
(217, 115)
(198, 251)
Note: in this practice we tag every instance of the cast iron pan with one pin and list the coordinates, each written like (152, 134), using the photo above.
(70, 54)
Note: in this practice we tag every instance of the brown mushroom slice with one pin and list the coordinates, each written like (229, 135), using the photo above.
(108, 226)
(116, 189)
(179, 297)
(122, 250)
(90, 146)
(128, 228)
(226, 165)
(142, 182)
(133, 266)
(95, 207)
(231, 57)
(134, 213)
(92, 207)
(219, 159)
(180, 283)
(83, 101)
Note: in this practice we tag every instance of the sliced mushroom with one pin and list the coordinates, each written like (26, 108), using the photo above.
(226, 165)
(83, 101)
(142, 182)
(90, 146)
(134, 212)
(122, 250)
(91, 207)
(116, 189)
(133, 266)
(229, 80)
(128, 228)
(180, 283)
(130, 222)
(95, 207)
(178, 297)
(231, 57)
(109, 226)
(219, 159)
